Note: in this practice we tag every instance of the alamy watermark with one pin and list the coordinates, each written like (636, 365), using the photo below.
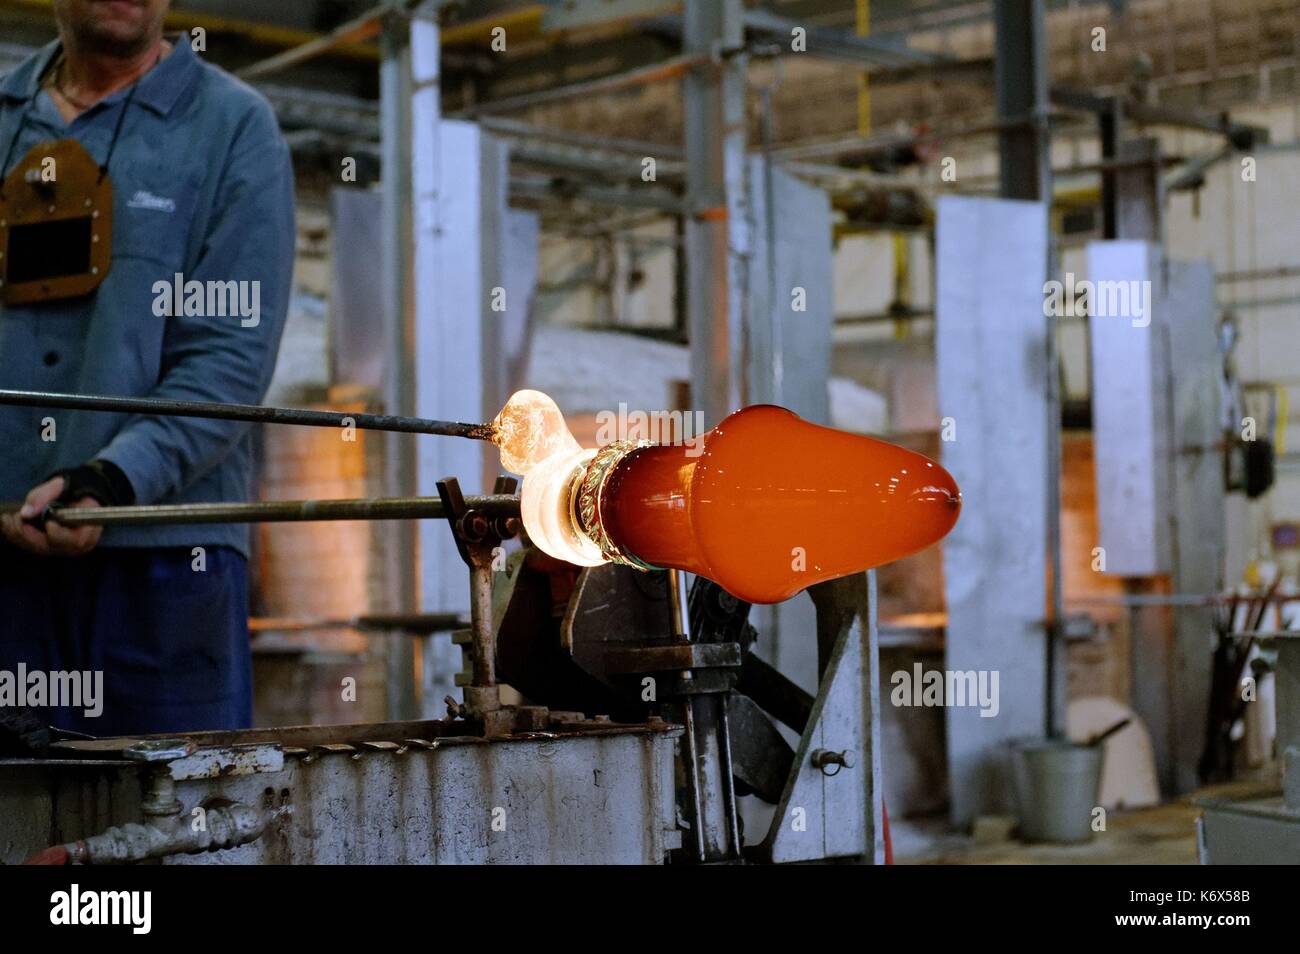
(90, 907)
(1106, 299)
(59, 689)
(947, 687)
(685, 428)
(210, 299)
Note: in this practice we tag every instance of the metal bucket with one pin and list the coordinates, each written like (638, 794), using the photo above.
(1057, 783)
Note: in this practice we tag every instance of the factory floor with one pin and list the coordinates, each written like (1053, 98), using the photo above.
(1161, 835)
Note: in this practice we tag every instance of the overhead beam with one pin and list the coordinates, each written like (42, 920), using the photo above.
(360, 30)
(672, 68)
(840, 45)
(543, 190)
(1242, 135)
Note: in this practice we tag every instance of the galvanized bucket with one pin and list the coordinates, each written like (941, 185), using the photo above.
(1057, 782)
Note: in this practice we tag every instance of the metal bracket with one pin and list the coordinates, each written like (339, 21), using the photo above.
(478, 538)
(832, 803)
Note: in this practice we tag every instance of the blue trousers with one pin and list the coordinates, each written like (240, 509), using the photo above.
(170, 640)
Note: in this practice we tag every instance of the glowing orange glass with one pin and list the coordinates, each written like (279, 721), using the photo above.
(775, 504)
(765, 504)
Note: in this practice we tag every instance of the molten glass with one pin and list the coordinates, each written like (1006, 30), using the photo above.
(765, 504)
(529, 429)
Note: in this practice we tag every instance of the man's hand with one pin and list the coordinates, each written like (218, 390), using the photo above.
(53, 540)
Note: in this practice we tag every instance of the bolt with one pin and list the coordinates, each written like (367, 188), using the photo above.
(824, 758)
(474, 526)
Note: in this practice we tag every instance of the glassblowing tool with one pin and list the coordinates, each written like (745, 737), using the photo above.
(765, 504)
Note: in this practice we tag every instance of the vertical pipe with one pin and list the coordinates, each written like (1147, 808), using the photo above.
(717, 224)
(728, 778)
(679, 601)
(768, 327)
(693, 778)
(871, 664)
(862, 27)
(399, 396)
(1020, 78)
(1055, 644)
(480, 610)
(1110, 122)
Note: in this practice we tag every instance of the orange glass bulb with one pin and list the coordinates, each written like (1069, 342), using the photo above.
(771, 504)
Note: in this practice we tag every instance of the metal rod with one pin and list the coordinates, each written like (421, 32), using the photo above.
(671, 68)
(1181, 599)
(679, 602)
(363, 28)
(693, 763)
(253, 413)
(273, 511)
(583, 139)
(481, 631)
(416, 624)
(729, 780)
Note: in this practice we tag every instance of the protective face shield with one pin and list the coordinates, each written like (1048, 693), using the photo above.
(56, 225)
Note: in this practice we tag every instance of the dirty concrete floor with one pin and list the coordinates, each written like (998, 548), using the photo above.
(1163, 835)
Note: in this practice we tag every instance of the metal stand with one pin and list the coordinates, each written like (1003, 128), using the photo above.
(478, 537)
(623, 644)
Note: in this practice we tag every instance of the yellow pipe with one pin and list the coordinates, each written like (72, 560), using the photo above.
(863, 28)
(524, 24)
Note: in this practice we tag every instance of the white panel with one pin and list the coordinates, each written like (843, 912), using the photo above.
(1130, 408)
(519, 265)
(790, 350)
(789, 358)
(459, 182)
(990, 339)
